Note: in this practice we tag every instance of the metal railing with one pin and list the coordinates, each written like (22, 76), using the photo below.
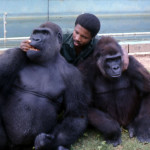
(103, 34)
(122, 35)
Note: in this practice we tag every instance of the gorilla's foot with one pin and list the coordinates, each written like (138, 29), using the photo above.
(62, 148)
(114, 142)
(131, 132)
(143, 139)
(140, 128)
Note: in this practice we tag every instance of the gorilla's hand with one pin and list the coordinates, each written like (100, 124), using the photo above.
(62, 148)
(141, 129)
(43, 141)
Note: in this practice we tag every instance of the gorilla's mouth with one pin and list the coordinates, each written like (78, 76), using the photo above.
(34, 49)
(116, 76)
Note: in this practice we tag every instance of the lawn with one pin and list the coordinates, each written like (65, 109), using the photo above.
(92, 140)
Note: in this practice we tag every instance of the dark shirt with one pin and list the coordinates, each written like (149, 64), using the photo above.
(68, 50)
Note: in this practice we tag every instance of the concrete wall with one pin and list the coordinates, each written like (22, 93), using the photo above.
(140, 47)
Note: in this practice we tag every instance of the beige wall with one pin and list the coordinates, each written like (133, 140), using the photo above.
(137, 47)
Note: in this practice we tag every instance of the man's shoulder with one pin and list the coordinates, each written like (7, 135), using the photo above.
(66, 37)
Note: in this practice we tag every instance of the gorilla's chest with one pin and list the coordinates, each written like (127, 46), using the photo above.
(103, 85)
(41, 80)
(32, 107)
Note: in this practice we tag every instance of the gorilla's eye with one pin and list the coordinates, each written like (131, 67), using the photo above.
(113, 59)
(45, 32)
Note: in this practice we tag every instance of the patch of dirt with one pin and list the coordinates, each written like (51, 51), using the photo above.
(144, 59)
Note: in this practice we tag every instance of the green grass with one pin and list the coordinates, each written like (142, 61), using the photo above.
(92, 140)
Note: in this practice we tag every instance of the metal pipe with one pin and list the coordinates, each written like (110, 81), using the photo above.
(48, 10)
(125, 34)
(14, 38)
(4, 23)
(139, 53)
(105, 34)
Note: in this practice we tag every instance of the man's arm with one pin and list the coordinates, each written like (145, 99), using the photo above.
(125, 59)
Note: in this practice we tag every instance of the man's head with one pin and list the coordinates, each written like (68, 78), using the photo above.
(86, 27)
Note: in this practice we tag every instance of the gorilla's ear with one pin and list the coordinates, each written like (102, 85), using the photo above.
(59, 37)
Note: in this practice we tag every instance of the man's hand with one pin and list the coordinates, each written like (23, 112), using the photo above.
(125, 59)
(25, 45)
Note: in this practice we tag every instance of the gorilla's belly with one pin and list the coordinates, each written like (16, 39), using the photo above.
(26, 116)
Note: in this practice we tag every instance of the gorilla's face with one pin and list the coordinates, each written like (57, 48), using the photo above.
(110, 65)
(109, 57)
(38, 38)
(44, 44)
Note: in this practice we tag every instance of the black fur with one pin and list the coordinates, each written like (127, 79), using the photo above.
(45, 105)
(118, 100)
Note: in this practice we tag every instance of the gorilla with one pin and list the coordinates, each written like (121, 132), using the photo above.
(42, 97)
(119, 98)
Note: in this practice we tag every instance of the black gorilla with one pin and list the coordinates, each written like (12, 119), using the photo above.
(42, 97)
(120, 98)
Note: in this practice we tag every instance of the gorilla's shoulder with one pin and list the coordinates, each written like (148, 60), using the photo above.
(134, 64)
(12, 59)
(11, 62)
(69, 71)
(13, 54)
(138, 73)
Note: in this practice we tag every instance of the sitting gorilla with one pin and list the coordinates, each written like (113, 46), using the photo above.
(42, 97)
(120, 98)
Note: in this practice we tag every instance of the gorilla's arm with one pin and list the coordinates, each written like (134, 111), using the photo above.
(141, 79)
(11, 61)
(75, 119)
(139, 75)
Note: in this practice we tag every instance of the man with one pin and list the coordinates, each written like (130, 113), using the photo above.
(79, 45)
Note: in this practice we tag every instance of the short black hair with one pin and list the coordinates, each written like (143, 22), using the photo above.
(89, 22)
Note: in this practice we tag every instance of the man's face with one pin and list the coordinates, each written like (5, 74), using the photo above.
(81, 36)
